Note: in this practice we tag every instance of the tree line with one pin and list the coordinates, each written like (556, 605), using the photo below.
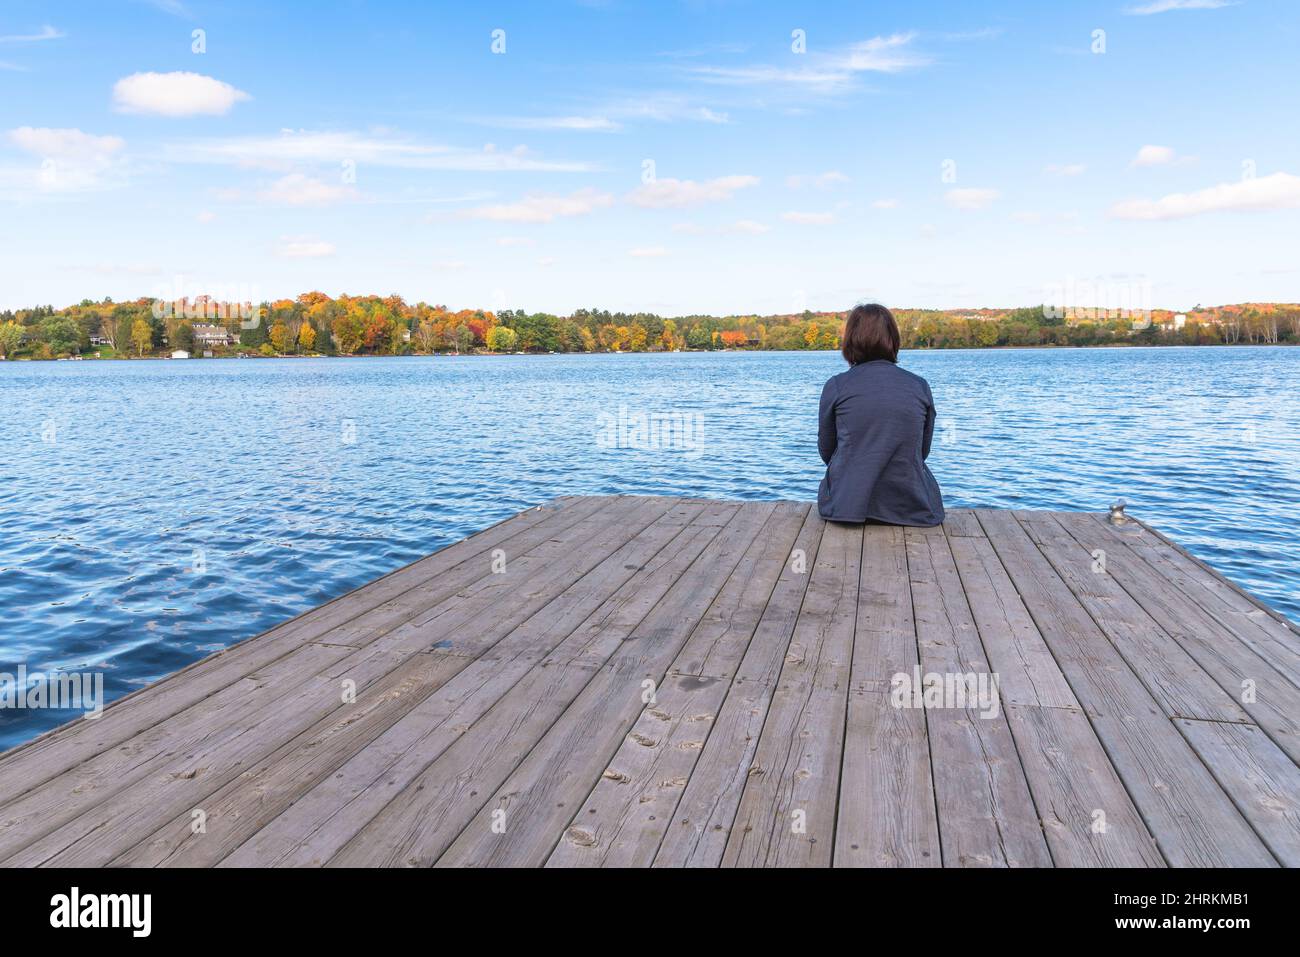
(317, 324)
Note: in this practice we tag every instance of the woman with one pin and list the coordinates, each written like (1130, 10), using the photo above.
(874, 431)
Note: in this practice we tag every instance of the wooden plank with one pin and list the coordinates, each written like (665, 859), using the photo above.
(1263, 630)
(1266, 696)
(538, 798)
(986, 814)
(1173, 677)
(624, 818)
(1087, 815)
(717, 646)
(962, 523)
(887, 815)
(698, 834)
(1027, 672)
(76, 809)
(25, 768)
(260, 796)
(1193, 821)
(411, 815)
(1262, 781)
(786, 815)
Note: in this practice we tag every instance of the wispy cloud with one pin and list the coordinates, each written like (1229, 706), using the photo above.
(809, 219)
(648, 252)
(46, 32)
(1165, 6)
(71, 160)
(1153, 156)
(1278, 191)
(586, 124)
(1064, 169)
(832, 72)
(674, 193)
(818, 181)
(295, 147)
(297, 189)
(543, 208)
(970, 198)
(304, 247)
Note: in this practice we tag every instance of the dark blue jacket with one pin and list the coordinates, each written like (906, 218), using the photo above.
(874, 431)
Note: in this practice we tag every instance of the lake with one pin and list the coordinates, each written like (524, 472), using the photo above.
(152, 512)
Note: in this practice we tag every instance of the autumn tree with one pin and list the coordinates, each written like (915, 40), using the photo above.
(141, 336)
(306, 337)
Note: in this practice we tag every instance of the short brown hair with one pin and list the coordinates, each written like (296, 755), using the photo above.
(870, 332)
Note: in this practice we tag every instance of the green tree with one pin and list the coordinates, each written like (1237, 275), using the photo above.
(502, 339)
(11, 337)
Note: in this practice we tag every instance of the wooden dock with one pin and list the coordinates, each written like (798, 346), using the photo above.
(680, 682)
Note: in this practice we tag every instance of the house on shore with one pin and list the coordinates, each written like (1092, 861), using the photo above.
(209, 334)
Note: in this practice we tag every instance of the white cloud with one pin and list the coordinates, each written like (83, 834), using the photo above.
(543, 208)
(829, 72)
(809, 219)
(448, 265)
(299, 190)
(886, 204)
(516, 241)
(648, 252)
(175, 94)
(971, 198)
(1164, 6)
(206, 216)
(1278, 191)
(672, 193)
(71, 160)
(599, 124)
(820, 181)
(1064, 169)
(296, 147)
(304, 247)
(1153, 156)
(546, 261)
(749, 226)
(47, 32)
(64, 143)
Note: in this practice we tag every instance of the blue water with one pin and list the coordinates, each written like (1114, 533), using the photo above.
(152, 512)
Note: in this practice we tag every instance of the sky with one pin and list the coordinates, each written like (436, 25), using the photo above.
(706, 156)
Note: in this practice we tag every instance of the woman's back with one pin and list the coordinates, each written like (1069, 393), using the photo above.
(875, 427)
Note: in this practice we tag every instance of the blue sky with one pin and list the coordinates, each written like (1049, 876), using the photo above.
(672, 157)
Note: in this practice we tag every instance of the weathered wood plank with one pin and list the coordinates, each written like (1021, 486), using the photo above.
(1087, 815)
(1254, 624)
(624, 818)
(698, 832)
(986, 815)
(479, 727)
(1270, 700)
(538, 798)
(252, 805)
(786, 815)
(1192, 820)
(887, 815)
(1173, 677)
(1259, 777)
